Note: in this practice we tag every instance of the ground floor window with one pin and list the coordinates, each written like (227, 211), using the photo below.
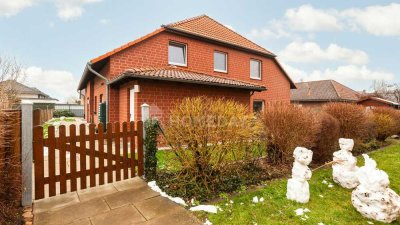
(258, 106)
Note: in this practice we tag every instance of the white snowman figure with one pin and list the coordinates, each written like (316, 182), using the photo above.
(297, 186)
(345, 165)
(373, 198)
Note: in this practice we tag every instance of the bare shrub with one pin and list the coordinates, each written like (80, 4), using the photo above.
(353, 120)
(10, 158)
(326, 138)
(287, 126)
(387, 122)
(206, 135)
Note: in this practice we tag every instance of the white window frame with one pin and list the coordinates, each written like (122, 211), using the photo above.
(226, 61)
(260, 70)
(185, 52)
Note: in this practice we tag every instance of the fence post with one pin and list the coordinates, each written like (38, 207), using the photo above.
(26, 153)
(145, 116)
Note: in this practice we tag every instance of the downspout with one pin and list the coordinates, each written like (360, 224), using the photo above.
(89, 67)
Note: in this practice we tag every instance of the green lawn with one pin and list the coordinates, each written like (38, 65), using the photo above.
(327, 205)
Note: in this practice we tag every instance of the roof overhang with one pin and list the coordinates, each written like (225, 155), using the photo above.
(130, 75)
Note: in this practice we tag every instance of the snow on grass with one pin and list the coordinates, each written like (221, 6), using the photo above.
(154, 187)
(205, 208)
(207, 222)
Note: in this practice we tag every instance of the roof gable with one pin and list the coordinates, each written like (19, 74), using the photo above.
(204, 26)
(323, 90)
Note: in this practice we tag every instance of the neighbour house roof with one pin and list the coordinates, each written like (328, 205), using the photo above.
(379, 100)
(22, 89)
(202, 27)
(323, 90)
(172, 73)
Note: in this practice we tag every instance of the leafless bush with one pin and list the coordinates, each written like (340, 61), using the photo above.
(387, 122)
(288, 126)
(353, 120)
(10, 158)
(207, 134)
(327, 138)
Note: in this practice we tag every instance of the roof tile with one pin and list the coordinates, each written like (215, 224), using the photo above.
(180, 75)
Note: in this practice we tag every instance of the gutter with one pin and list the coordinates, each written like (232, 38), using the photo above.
(89, 67)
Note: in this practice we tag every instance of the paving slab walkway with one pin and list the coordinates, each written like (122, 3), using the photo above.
(124, 202)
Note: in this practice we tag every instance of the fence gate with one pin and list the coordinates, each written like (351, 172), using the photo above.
(69, 159)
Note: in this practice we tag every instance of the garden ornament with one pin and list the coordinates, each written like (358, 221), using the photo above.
(345, 165)
(297, 187)
(373, 198)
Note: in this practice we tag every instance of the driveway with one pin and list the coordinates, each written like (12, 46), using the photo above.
(124, 202)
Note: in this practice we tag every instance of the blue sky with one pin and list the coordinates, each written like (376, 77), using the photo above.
(354, 42)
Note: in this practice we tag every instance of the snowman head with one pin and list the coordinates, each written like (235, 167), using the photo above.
(302, 155)
(346, 144)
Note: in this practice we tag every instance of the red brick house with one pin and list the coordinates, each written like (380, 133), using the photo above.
(373, 101)
(193, 57)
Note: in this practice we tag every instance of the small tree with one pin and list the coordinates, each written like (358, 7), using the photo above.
(150, 143)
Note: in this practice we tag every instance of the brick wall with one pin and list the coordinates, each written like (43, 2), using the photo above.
(373, 103)
(153, 52)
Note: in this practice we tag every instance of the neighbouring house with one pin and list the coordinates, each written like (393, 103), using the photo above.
(373, 101)
(317, 93)
(23, 92)
(193, 57)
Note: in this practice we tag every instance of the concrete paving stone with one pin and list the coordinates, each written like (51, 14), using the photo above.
(71, 213)
(130, 196)
(181, 217)
(124, 215)
(157, 206)
(85, 221)
(96, 192)
(56, 202)
(133, 183)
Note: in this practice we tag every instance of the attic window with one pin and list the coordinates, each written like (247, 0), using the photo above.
(220, 62)
(177, 54)
(255, 69)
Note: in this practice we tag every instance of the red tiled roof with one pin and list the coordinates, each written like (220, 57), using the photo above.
(323, 90)
(180, 75)
(209, 28)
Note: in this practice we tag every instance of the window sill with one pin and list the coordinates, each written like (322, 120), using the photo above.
(177, 64)
(220, 71)
(255, 78)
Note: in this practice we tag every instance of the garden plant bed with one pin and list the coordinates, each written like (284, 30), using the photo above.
(328, 205)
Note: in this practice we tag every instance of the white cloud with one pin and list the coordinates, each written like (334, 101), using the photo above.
(377, 20)
(346, 73)
(12, 7)
(104, 21)
(59, 84)
(307, 18)
(275, 29)
(66, 9)
(71, 9)
(311, 52)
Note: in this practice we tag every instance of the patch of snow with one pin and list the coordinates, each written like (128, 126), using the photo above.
(369, 222)
(241, 203)
(321, 196)
(325, 182)
(205, 208)
(255, 199)
(231, 201)
(261, 199)
(307, 210)
(330, 186)
(299, 212)
(153, 186)
(320, 223)
(207, 222)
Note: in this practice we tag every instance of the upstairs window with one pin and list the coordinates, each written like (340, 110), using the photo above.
(255, 69)
(177, 54)
(220, 62)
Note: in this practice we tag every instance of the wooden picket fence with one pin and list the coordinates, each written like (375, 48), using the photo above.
(40, 116)
(102, 156)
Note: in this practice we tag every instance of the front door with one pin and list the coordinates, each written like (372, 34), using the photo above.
(132, 104)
